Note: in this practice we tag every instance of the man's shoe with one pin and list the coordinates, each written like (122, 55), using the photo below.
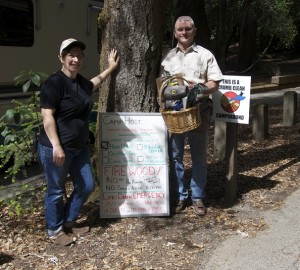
(179, 207)
(62, 239)
(77, 230)
(199, 208)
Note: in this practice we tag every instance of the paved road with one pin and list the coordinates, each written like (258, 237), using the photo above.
(276, 248)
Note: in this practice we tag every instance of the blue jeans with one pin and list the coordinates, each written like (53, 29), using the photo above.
(198, 147)
(78, 164)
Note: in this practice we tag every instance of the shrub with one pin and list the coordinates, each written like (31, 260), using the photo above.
(20, 125)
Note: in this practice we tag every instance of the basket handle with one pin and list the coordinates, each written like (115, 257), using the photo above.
(162, 87)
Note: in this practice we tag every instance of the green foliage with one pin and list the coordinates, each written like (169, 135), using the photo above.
(20, 205)
(275, 20)
(27, 78)
(20, 125)
(14, 207)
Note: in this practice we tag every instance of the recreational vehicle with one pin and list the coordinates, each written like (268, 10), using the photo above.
(31, 32)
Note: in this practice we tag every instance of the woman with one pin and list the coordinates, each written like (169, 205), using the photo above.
(66, 103)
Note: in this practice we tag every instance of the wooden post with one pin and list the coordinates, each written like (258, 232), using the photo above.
(220, 140)
(231, 164)
(289, 108)
(260, 122)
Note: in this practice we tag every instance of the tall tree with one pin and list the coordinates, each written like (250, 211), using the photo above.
(247, 34)
(275, 20)
(271, 22)
(135, 29)
(295, 12)
(227, 14)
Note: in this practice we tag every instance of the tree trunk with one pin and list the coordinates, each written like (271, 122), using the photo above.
(247, 44)
(228, 13)
(222, 34)
(135, 29)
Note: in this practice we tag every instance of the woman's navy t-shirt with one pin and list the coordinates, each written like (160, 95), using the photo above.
(72, 101)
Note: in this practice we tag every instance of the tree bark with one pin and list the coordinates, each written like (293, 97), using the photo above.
(228, 12)
(222, 32)
(135, 29)
(247, 44)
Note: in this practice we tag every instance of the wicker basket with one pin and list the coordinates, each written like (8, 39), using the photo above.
(179, 121)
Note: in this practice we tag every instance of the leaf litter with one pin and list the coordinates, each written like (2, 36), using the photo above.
(268, 172)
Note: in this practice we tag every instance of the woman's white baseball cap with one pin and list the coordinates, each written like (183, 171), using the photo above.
(71, 42)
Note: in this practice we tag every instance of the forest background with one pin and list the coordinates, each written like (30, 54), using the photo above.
(240, 33)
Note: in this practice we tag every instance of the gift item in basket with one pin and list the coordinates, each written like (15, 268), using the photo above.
(179, 121)
(175, 105)
(192, 96)
(175, 92)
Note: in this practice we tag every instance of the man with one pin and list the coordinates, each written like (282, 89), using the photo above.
(198, 65)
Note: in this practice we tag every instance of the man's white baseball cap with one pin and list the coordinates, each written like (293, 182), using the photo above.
(71, 42)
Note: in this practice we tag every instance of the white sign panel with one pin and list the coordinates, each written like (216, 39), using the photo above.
(133, 165)
(231, 102)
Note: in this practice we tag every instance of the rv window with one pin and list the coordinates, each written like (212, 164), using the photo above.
(16, 23)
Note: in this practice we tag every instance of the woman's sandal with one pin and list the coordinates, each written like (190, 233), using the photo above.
(62, 239)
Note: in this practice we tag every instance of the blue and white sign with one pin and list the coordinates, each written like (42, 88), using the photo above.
(231, 102)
